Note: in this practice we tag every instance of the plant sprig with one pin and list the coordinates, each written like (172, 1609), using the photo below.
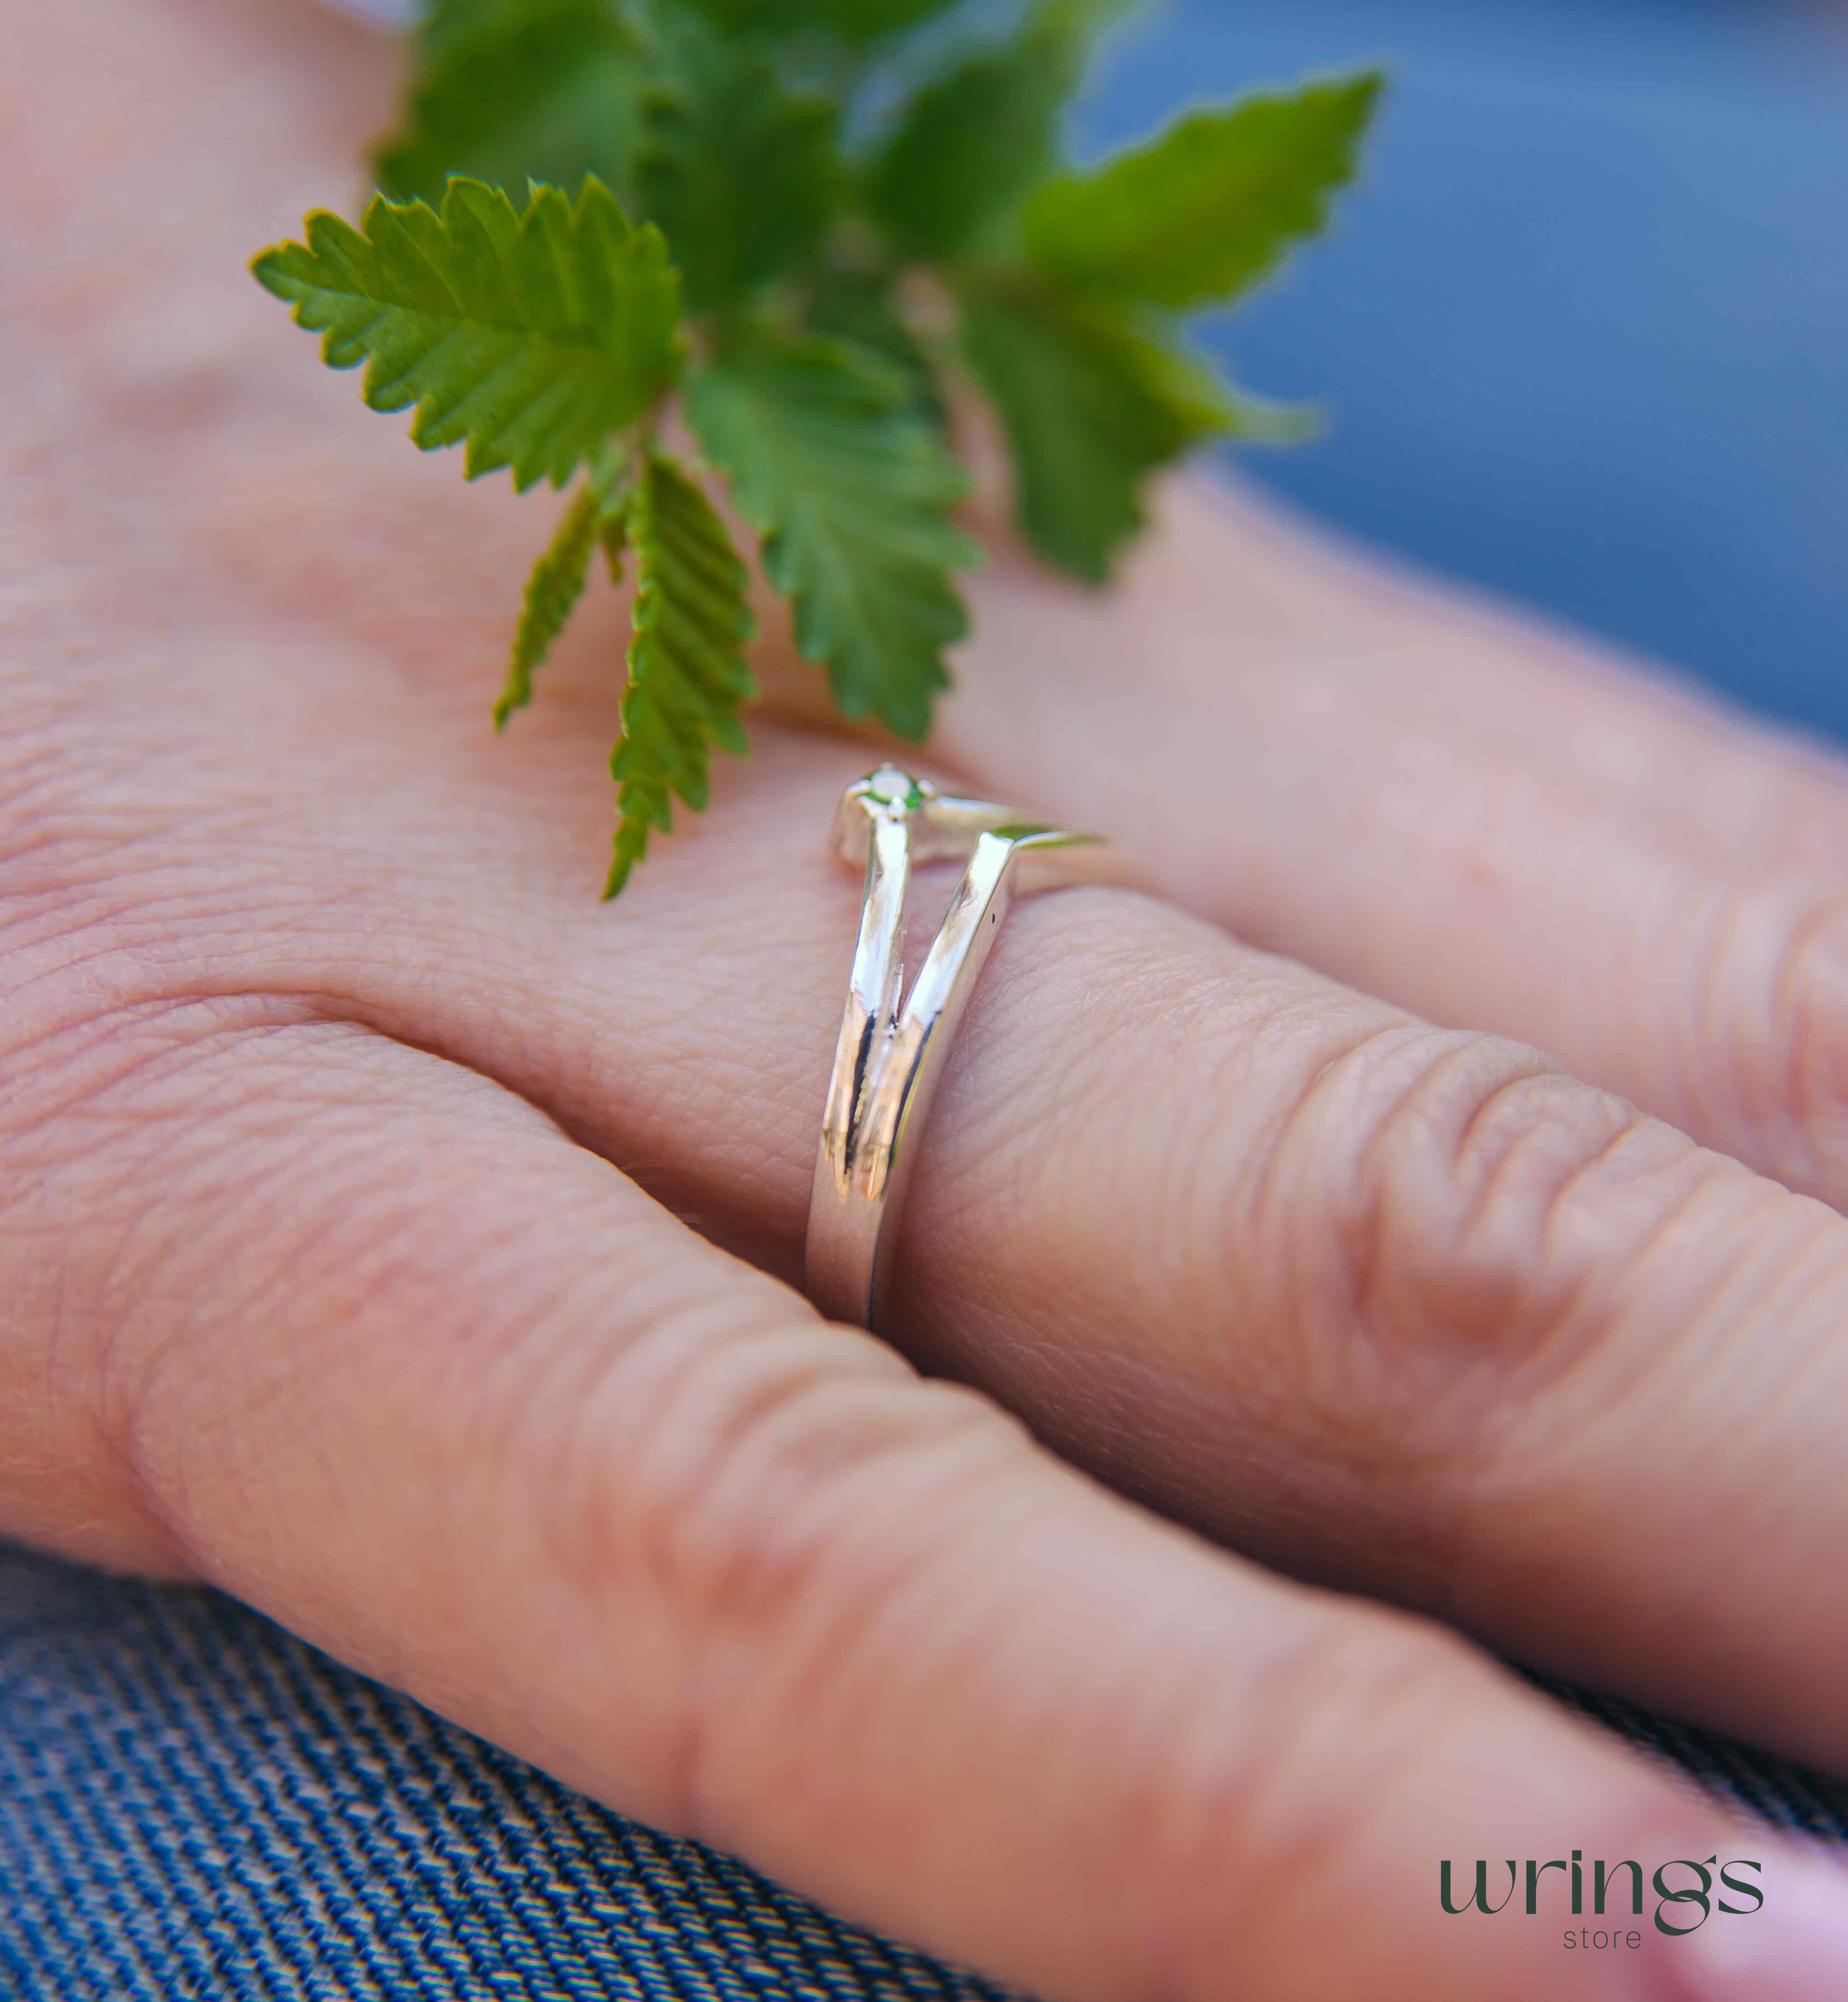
(594, 209)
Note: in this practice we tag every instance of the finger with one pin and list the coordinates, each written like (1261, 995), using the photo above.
(1492, 825)
(382, 1352)
(1412, 1310)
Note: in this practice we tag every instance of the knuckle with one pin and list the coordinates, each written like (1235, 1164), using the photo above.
(1483, 1191)
(1784, 1046)
(127, 1192)
(1291, 1809)
(1445, 1236)
(1756, 1058)
(771, 1491)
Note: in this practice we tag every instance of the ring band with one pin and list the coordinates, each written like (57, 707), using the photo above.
(888, 1060)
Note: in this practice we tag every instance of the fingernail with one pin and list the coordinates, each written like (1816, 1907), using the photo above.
(1794, 1949)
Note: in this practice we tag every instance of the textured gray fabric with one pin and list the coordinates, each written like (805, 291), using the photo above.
(195, 1807)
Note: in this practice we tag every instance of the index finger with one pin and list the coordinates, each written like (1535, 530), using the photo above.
(385, 1355)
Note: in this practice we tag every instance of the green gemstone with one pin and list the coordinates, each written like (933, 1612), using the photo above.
(892, 787)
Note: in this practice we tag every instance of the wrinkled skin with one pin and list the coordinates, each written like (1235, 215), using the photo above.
(363, 1180)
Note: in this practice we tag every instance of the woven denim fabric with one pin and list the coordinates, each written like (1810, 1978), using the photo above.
(1785, 1795)
(194, 1807)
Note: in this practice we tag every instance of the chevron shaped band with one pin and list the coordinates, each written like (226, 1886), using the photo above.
(889, 1057)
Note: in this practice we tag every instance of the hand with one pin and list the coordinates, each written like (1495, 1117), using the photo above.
(317, 1049)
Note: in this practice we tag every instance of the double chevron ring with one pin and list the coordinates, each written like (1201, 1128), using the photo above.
(888, 1059)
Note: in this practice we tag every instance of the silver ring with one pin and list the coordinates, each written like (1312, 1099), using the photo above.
(888, 1059)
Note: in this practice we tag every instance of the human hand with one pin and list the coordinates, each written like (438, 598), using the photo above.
(319, 1285)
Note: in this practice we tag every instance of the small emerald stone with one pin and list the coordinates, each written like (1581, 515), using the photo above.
(892, 787)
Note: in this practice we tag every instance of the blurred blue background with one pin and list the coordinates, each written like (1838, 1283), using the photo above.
(1583, 334)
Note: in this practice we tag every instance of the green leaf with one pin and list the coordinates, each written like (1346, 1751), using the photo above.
(968, 145)
(860, 312)
(740, 176)
(851, 20)
(688, 676)
(545, 90)
(1092, 402)
(552, 595)
(612, 531)
(1209, 208)
(444, 24)
(850, 490)
(530, 336)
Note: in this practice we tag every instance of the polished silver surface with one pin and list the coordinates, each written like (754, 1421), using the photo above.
(888, 1058)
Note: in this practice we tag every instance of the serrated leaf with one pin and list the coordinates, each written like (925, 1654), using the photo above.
(741, 176)
(546, 90)
(860, 312)
(552, 591)
(968, 145)
(1093, 400)
(1209, 208)
(850, 490)
(529, 338)
(851, 20)
(688, 677)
